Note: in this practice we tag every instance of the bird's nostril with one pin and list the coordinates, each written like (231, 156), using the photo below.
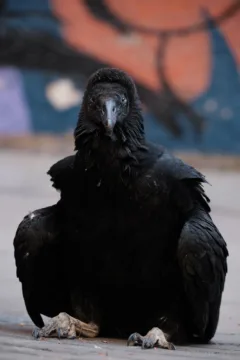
(114, 109)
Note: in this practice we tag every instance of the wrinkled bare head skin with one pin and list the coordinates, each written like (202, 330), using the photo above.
(106, 105)
(110, 108)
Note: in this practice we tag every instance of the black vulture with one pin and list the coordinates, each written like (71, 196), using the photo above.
(130, 249)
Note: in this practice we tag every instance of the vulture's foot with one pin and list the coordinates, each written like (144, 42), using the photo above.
(154, 338)
(65, 326)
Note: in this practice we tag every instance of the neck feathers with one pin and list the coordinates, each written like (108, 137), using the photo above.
(116, 157)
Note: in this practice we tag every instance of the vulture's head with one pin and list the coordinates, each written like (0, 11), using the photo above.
(110, 109)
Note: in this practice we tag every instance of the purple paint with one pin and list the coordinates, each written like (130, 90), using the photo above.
(14, 111)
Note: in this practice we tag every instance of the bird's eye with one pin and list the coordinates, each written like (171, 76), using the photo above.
(123, 100)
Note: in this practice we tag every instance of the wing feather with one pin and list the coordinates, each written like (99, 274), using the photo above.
(35, 246)
(202, 255)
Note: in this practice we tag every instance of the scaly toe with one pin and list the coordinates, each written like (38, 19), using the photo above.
(148, 343)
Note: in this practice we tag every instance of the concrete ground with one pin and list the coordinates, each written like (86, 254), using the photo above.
(24, 186)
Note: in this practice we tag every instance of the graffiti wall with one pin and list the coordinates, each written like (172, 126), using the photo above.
(184, 56)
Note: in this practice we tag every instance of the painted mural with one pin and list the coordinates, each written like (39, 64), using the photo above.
(184, 56)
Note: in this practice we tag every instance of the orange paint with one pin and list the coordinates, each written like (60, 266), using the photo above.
(187, 59)
(163, 14)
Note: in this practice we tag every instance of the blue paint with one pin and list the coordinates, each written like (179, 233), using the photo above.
(15, 15)
(45, 117)
(15, 117)
(23, 5)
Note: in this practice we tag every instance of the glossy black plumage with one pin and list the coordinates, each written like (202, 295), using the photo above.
(131, 241)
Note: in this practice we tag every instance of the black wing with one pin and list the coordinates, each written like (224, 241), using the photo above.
(37, 251)
(202, 255)
(202, 251)
(61, 172)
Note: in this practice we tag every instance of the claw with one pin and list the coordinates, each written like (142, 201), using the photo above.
(171, 346)
(154, 338)
(135, 339)
(36, 333)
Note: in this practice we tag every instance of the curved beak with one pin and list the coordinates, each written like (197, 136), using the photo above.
(110, 114)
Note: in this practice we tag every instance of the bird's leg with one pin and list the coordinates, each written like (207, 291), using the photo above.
(154, 338)
(65, 326)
